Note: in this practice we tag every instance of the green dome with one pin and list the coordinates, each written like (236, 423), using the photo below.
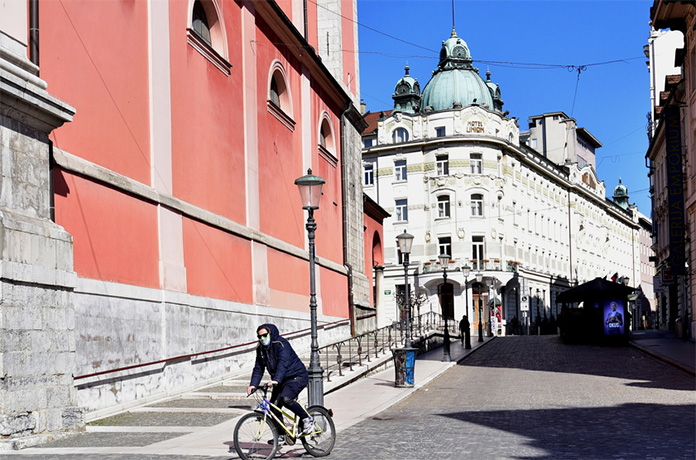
(456, 81)
(621, 195)
(407, 93)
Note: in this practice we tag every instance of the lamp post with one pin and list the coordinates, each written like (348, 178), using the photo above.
(405, 241)
(445, 300)
(465, 271)
(479, 279)
(310, 187)
(538, 316)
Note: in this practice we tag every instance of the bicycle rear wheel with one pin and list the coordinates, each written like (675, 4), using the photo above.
(252, 435)
(320, 442)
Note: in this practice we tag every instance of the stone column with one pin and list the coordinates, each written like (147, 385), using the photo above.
(37, 324)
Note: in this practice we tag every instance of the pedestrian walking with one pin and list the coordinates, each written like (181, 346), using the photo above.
(465, 332)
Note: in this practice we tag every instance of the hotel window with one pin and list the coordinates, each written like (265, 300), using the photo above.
(442, 165)
(444, 245)
(440, 132)
(369, 174)
(401, 210)
(477, 204)
(443, 206)
(400, 135)
(477, 252)
(476, 162)
(400, 170)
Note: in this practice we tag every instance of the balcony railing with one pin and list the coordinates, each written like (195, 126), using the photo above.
(484, 265)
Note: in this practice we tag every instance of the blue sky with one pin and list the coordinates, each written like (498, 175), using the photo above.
(533, 50)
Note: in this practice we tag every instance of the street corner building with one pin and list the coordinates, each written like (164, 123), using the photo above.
(523, 215)
(149, 215)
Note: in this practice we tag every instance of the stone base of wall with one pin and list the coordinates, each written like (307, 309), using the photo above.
(120, 326)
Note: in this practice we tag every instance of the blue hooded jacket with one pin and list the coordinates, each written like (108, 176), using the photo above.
(279, 358)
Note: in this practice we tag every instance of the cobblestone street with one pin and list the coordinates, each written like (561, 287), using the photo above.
(534, 397)
(520, 397)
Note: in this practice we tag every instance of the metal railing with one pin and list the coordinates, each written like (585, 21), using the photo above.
(167, 361)
(354, 351)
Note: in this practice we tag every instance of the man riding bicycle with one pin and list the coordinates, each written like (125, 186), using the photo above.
(288, 374)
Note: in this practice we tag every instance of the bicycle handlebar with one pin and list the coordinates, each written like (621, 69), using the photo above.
(263, 387)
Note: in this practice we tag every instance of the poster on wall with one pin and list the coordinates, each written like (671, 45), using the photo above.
(614, 318)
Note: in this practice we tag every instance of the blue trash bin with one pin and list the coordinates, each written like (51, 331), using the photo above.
(404, 366)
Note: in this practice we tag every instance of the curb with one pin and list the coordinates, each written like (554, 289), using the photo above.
(664, 359)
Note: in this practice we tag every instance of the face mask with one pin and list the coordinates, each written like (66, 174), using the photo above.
(265, 339)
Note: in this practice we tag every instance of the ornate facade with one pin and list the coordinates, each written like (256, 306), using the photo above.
(458, 174)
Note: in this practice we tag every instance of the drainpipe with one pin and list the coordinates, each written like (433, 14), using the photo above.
(570, 240)
(34, 32)
(306, 23)
(344, 212)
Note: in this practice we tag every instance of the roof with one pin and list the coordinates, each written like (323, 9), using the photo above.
(372, 118)
(456, 81)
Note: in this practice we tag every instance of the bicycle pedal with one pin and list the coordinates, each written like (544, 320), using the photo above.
(290, 441)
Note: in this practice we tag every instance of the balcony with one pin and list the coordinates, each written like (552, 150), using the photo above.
(484, 265)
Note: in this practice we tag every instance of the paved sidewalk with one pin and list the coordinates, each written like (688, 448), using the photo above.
(665, 346)
(351, 403)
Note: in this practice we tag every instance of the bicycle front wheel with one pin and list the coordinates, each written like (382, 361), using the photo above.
(255, 437)
(320, 442)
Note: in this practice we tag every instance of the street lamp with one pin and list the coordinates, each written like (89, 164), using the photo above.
(405, 241)
(445, 300)
(465, 271)
(479, 279)
(310, 193)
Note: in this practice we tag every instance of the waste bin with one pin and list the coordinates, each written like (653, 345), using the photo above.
(404, 364)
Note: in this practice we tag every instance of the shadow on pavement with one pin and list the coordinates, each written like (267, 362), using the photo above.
(606, 432)
(548, 353)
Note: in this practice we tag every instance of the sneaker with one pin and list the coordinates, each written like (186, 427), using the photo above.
(281, 440)
(308, 425)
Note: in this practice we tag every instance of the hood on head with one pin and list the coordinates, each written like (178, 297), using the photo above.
(270, 328)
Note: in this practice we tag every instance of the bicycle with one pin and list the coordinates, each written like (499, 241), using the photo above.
(256, 436)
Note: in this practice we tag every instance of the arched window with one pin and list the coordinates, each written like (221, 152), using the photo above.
(400, 135)
(279, 100)
(327, 144)
(200, 23)
(207, 33)
(275, 93)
